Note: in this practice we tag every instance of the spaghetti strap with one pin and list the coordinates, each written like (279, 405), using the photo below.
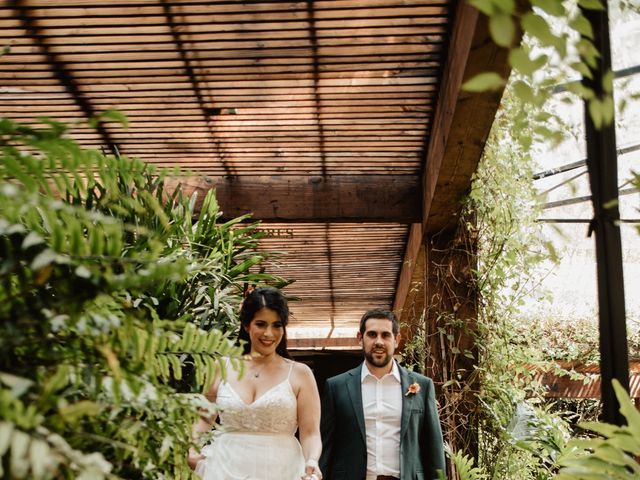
(290, 368)
(228, 367)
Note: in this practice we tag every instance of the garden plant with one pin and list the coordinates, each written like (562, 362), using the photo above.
(117, 301)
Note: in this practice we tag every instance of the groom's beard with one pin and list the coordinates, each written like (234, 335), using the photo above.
(378, 362)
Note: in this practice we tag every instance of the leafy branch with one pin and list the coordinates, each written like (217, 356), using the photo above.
(116, 309)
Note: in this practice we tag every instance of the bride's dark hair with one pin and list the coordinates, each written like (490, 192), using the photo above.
(264, 297)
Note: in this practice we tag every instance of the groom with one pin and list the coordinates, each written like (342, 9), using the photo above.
(379, 420)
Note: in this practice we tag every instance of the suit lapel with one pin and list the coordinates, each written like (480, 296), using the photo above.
(405, 381)
(354, 387)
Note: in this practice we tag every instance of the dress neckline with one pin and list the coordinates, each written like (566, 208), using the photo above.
(286, 380)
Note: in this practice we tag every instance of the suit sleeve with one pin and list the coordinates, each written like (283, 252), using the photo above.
(433, 444)
(327, 426)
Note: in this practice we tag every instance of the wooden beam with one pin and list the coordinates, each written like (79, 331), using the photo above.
(408, 265)
(462, 119)
(331, 198)
(413, 310)
(339, 342)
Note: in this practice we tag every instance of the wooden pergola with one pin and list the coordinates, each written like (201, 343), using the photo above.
(338, 123)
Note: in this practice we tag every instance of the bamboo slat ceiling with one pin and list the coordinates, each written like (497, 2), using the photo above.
(338, 91)
(235, 88)
(341, 270)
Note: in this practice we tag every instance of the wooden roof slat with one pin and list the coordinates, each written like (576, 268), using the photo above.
(348, 9)
(215, 27)
(185, 3)
(330, 64)
(285, 53)
(270, 72)
(139, 7)
(16, 38)
(163, 43)
(179, 118)
(295, 21)
(233, 12)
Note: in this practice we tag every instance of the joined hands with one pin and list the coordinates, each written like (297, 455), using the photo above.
(311, 470)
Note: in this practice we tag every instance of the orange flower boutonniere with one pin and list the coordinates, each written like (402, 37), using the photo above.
(413, 389)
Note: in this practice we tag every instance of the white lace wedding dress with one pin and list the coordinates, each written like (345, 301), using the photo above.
(257, 440)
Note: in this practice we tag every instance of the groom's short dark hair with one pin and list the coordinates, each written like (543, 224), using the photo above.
(380, 313)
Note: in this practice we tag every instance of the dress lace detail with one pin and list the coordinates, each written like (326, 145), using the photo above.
(275, 411)
(256, 441)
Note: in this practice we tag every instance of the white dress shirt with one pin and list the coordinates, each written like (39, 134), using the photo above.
(382, 404)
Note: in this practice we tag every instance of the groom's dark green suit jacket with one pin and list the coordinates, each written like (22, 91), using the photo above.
(344, 449)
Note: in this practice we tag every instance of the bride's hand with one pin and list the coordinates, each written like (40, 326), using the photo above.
(312, 470)
(193, 458)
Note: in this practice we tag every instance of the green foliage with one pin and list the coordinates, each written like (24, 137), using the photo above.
(464, 467)
(504, 205)
(518, 437)
(550, 337)
(484, 81)
(521, 434)
(612, 454)
(564, 35)
(414, 353)
(542, 432)
(629, 5)
(110, 296)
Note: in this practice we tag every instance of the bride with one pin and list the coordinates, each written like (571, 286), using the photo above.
(261, 411)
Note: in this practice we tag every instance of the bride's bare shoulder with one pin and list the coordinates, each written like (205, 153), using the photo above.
(301, 373)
